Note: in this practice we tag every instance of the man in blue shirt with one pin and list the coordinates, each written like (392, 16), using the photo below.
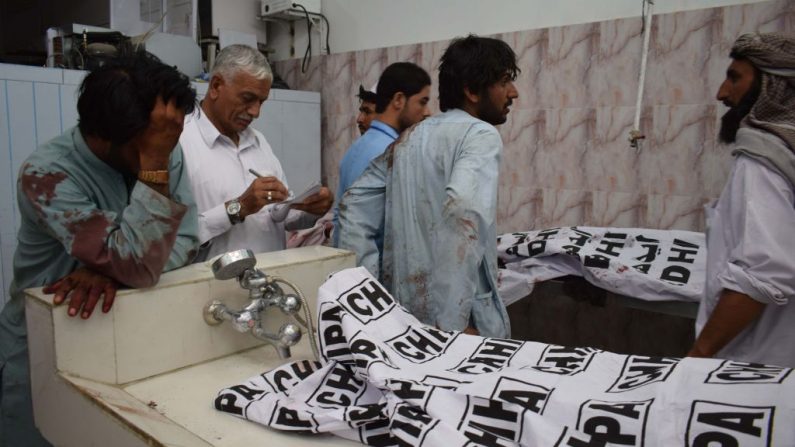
(401, 101)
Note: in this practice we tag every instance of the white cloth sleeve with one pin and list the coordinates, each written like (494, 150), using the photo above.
(762, 247)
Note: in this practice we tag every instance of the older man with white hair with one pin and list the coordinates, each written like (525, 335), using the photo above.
(746, 314)
(231, 166)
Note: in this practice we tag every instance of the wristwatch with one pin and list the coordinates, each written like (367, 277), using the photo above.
(233, 211)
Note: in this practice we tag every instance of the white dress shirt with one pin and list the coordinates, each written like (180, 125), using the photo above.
(218, 172)
(751, 250)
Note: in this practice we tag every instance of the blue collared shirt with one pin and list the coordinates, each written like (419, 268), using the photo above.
(369, 146)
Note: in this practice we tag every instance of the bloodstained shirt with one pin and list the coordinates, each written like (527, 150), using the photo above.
(78, 211)
(433, 194)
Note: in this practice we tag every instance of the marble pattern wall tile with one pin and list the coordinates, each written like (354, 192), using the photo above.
(680, 136)
(673, 212)
(338, 111)
(312, 79)
(614, 78)
(566, 158)
(337, 137)
(561, 161)
(565, 207)
(571, 55)
(338, 77)
(405, 53)
(369, 66)
(520, 208)
(617, 209)
(522, 137)
(287, 70)
(530, 48)
(611, 164)
(763, 17)
(679, 55)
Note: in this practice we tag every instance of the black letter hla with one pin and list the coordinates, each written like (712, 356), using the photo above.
(409, 424)
(492, 422)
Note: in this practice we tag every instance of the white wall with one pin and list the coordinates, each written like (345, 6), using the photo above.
(365, 24)
(238, 15)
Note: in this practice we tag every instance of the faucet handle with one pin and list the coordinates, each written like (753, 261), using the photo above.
(289, 334)
(290, 304)
(233, 264)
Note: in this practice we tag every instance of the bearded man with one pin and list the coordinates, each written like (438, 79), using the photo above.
(433, 195)
(746, 314)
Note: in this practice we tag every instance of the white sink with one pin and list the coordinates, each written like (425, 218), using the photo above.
(147, 372)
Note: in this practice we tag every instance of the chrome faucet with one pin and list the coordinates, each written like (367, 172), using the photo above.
(264, 292)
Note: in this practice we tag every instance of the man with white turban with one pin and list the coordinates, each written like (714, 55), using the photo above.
(746, 314)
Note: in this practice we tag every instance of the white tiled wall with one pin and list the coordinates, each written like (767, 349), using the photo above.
(37, 104)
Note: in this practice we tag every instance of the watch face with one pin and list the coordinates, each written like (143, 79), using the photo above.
(233, 207)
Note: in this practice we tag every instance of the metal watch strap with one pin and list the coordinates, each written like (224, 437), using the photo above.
(235, 218)
(156, 177)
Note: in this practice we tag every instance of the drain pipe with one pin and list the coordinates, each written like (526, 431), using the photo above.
(635, 135)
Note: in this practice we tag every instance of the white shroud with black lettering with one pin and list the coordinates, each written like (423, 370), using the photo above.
(386, 379)
(642, 263)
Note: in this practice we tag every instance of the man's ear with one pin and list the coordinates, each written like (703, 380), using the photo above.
(398, 101)
(474, 98)
(216, 82)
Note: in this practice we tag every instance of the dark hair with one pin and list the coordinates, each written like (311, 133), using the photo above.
(366, 95)
(475, 63)
(402, 77)
(116, 99)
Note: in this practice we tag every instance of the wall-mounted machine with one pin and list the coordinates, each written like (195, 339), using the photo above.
(82, 46)
(288, 9)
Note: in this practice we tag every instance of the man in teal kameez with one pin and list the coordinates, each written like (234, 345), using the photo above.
(105, 204)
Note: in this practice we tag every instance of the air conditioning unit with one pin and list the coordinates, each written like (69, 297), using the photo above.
(288, 9)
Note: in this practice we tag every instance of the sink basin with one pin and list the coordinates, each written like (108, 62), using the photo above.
(147, 372)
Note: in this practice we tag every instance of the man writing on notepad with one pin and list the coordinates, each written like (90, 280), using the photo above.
(233, 171)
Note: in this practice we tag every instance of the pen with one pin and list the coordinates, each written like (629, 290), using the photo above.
(257, 174)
